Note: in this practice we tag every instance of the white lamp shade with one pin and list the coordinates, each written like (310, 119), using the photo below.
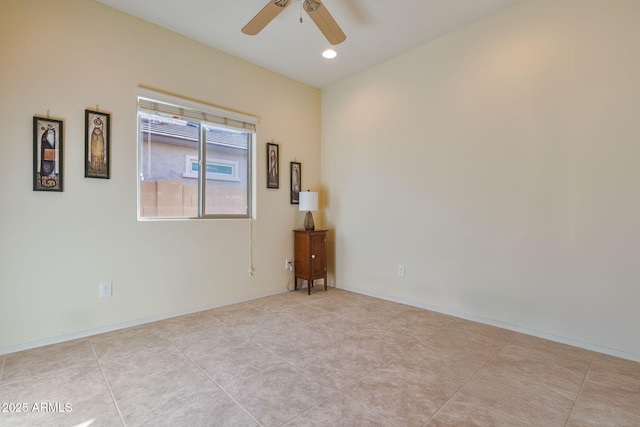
(308, 201)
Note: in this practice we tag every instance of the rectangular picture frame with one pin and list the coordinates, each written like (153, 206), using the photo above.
(273, 165)
(296, 182)
(48, 144)
(97, 144)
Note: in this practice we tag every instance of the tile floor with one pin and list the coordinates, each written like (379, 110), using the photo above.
(334, 358)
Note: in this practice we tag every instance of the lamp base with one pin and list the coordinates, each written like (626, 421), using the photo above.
(308, 222)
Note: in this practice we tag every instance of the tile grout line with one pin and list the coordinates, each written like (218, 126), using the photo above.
(288, 363)
(373, 410)
(308, 409)
(584, 380)
(291, 364)
(455, 393)
(294, 366)
(214, 382)
(283, 360)
(337, 391)
(106, 381)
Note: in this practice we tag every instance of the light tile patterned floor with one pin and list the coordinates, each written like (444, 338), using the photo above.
(334, 358)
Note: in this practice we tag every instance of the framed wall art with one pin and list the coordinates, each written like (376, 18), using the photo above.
(296, 182)
(273, 165)
(97, 144)
(47, 154)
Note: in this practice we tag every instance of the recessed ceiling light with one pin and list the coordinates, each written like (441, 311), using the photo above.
(329, 53)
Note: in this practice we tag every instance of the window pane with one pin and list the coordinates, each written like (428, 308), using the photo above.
(195, 160)
(226, 184)
(168, 184)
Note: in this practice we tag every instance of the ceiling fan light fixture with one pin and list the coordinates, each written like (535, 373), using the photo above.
(311, 5)
(266, 15)
(329, 54)
(314, 8)
(324, 21)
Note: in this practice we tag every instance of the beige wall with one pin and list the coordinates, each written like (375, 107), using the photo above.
(499, 164)
(55, 248)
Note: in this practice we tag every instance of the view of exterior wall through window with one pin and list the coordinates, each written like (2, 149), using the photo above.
(191, 167)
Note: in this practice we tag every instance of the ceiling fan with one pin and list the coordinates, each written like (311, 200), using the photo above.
(316, 10)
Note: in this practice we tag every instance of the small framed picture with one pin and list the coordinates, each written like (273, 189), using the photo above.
(47, 154)
(97, 144)
(296, 182)
(273, 165)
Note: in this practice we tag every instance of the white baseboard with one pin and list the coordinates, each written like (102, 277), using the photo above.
(515, 328)
(111, 328)
(587, 346)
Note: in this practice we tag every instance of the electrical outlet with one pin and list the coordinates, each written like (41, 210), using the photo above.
(400, 270)
(106, 289)
(288, 264)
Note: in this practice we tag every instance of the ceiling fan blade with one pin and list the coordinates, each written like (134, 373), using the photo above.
(324, 21)
(266, 15)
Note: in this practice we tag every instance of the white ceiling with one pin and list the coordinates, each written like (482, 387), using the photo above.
(376, 30)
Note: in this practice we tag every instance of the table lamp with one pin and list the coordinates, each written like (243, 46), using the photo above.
(308, 202)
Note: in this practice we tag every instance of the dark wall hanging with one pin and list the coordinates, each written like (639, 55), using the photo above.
(273, 165)
(97, 144)
(47, 154)
(296, 182)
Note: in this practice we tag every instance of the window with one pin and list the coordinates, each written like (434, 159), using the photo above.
(216, 168)
(194, 160)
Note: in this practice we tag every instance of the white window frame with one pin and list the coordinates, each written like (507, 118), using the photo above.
(223, 118)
